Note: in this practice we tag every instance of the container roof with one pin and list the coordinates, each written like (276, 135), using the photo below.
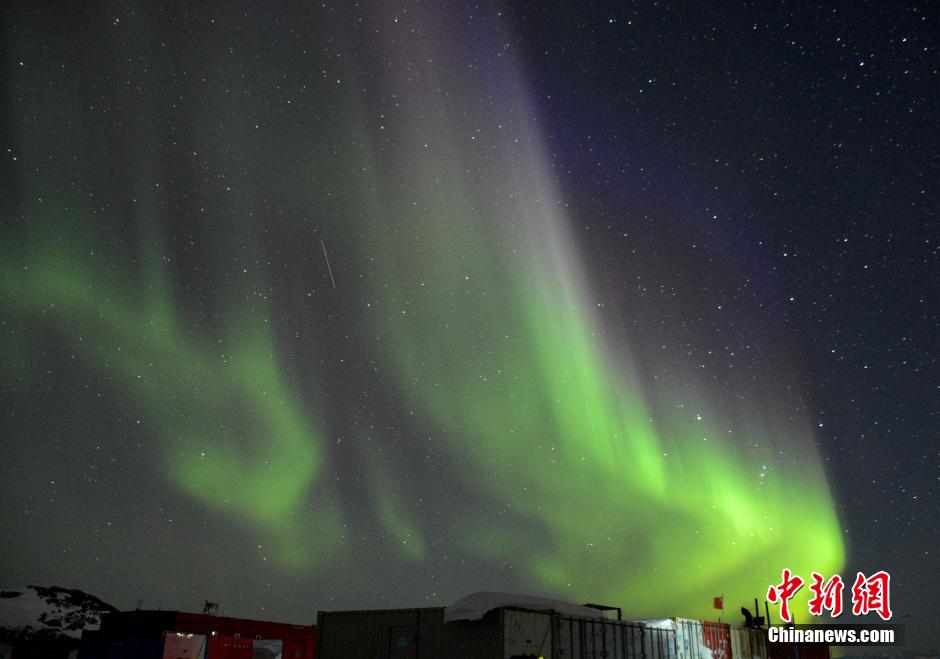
(475, 606)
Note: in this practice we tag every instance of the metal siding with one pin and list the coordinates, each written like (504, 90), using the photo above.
(663, 643)
(682, 646)
(569, 638)
(614, 641)
(347, 634)
(634, 640)
(586, 638)
(475, 639)
(429, 642)
(561, 640)
(595, 642)
(500, 634)
(690, 640)
(600, 629)
(717, 638)
(740, 644)
(748, 643)
(527, 633)
(759, 644)
(597, 639)
(353, 634)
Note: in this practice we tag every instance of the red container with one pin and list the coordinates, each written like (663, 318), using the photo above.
(184, 646)
(717, 637)
(229, 647)
(299, 648)
(299, 641)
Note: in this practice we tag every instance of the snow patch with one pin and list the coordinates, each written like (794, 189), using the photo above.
(50, 612)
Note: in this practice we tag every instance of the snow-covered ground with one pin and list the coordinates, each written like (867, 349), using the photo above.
(50, 611)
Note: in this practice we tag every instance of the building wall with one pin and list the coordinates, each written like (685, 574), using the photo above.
(406, 634)
(501, 634)
(509, 632)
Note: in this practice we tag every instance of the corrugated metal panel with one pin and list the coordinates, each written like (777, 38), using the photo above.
(579, 638)
(597, 637)
(526, 633)
(470, 639)
(702, 640)
(689, 641)
(345, 634)
(660, 643)
(563, 643)
(718, 639)
(748, 643)
(501, 634)
(633, 638)
(404, 634)
(422, 634)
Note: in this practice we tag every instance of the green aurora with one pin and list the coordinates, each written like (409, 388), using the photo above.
(593, 480)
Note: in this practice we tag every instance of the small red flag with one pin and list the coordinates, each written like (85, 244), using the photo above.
(720, 602)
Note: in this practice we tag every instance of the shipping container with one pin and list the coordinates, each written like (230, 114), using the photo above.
(267, 648)
(299, 648)
(502, 633)
(798, 651)
(101, 646)
(229, 647)
(748, 643)
(153, 634)
(591, 638)
(132, 622)
(180, 645)
(696, 639)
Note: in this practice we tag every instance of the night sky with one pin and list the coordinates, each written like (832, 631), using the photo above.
(353, 305)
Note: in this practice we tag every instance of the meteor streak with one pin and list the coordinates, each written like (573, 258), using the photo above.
(329, 269)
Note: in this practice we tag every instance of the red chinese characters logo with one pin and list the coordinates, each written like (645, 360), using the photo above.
(827, 595)
(869, 594)
(783, 592)
(872, 594)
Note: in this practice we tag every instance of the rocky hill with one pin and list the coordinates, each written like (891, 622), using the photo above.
(48, 613)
